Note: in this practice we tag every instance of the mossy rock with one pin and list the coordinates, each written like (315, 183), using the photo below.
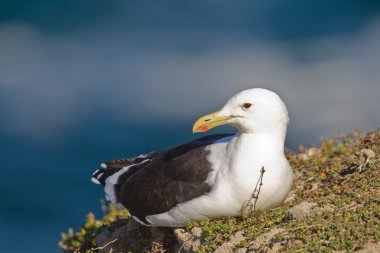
(340, 180)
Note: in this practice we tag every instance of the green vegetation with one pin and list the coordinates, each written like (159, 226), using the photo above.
(342, 178)
(84, 239)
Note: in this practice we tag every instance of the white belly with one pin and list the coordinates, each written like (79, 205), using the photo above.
(233, 182)
(230, 198)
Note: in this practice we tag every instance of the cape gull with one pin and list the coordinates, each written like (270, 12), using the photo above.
(215, 176)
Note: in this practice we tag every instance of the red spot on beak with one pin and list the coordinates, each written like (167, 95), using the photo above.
(203, 128)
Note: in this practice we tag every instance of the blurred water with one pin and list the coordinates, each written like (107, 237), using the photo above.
(46, 188)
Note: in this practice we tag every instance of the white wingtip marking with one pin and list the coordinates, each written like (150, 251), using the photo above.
(94, 180)
(99, 176)
(96, 171)
(103, 165)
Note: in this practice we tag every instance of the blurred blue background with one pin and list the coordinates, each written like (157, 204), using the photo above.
(82, 82)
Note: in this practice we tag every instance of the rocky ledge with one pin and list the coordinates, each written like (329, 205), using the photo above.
(334, 207)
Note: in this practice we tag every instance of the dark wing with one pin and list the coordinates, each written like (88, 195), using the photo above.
(172, 177)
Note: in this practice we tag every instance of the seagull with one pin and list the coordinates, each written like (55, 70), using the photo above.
(220, 175)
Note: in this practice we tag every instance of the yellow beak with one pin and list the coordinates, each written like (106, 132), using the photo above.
(209, 121)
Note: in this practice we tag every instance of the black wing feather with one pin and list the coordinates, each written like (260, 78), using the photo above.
(172, 177)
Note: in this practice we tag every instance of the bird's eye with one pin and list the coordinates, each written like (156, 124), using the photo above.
(246, 105)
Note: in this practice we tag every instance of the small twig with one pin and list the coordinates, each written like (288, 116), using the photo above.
(183, 245)
(260, 185)
(361, 166)
(368, 154)
(255, 194)
(108, 243)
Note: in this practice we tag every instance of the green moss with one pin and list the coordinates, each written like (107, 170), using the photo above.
(328, 176)
(353, 196)
(84, 239)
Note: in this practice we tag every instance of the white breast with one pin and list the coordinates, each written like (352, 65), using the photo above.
(240, 172)
(236, 171)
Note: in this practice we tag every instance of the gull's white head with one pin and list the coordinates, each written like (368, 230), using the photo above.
(251, 111)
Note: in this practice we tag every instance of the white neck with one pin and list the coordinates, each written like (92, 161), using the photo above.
(255, 149)
(272, 142)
